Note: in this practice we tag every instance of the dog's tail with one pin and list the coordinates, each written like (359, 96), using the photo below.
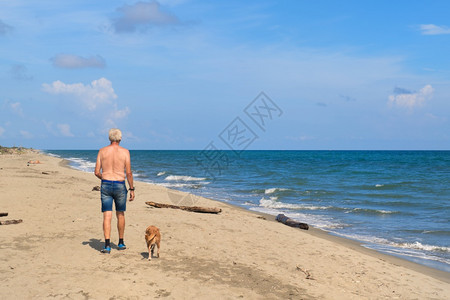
(152, 236)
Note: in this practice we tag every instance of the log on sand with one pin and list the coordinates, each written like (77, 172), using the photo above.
(289, 222)
(198, 209)
(8, 222)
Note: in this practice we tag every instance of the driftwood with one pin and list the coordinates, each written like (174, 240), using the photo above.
(8, 222)
(198, 209)
(289, 222)
(3, 214)
(308, 275)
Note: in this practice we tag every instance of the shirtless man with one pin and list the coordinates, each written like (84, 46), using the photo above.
(113, 164)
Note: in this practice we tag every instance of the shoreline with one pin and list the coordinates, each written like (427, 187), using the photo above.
(317, 232)
(380, 209)
(355, 245)
(55, 251)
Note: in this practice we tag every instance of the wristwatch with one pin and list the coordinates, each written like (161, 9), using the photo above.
(131, 189)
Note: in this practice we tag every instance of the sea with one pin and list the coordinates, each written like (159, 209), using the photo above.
(395, 202)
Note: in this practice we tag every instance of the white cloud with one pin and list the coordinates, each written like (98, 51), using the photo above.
(96, 100)
(117, 114)
(435, 118)
(431, 29)
(49, 126)
(2, 131)
(64, 129)
(26, 134)
(120, 113)
(91, 95)
(143, 15)
(17, 108)
(130, 136)
(408, 99)
(71, 61)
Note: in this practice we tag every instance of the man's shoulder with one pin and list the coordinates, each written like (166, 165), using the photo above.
(104, 148)
(120, 148)
(124, 150)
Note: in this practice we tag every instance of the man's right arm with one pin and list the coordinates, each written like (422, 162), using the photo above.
(98, 166)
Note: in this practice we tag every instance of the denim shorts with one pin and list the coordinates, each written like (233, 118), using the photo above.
(114, 191)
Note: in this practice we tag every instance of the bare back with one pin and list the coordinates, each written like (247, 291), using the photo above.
(114, 162)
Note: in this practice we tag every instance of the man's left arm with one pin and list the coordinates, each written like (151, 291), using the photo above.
(129, 175)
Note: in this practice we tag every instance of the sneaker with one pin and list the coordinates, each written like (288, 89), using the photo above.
(106, 250)
(122, 247)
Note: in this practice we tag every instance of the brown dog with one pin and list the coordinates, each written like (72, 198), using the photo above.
(152, 237)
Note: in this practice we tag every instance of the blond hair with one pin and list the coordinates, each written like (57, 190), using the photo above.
(115, 135)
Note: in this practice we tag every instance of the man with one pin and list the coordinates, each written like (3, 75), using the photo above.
(113, 164)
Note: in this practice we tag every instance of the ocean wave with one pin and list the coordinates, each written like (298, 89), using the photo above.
(415, 249)
(82, 164)
(364, 238)
(161, 173)
(181, 185)
(428, 232)
(387, 201)
(139, 175)
(387, 186)
(274, 190)
(335, 226)
(416, 255)
(273, 203)
(420, 246)
(183, 178)
(371, 211)
(147, 180)
(318, 193)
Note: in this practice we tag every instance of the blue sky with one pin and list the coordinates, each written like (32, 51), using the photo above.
(176, 74)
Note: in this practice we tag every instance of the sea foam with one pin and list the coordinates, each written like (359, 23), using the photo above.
(273, 203)
(183, 178)
(82, 164)
(273, 190)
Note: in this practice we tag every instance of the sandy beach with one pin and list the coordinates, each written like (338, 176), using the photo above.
(237, 254)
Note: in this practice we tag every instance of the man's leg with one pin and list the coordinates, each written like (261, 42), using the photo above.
(107, 215)
(120, 223)
(121, 207)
